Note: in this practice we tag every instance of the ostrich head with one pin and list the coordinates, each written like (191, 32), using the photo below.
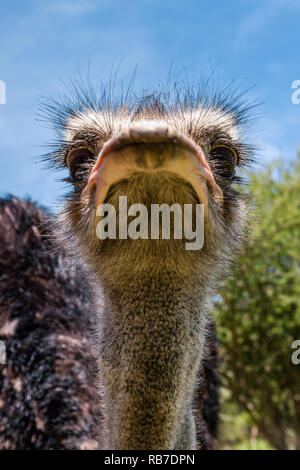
(156, 292)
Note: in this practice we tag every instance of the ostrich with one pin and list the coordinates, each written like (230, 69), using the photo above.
(110, 342)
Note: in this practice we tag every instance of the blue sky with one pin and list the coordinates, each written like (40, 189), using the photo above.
(256, 42)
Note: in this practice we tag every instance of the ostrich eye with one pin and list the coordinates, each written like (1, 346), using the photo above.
(225, 160)
(75, 161)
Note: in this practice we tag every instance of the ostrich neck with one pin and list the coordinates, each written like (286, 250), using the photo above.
(152, 335)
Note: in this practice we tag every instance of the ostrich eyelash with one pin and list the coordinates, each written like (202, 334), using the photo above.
(242, 152)
(229, 147)
(69, 152)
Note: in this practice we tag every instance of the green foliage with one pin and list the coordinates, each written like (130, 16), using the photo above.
(236, 429)
(259, 315)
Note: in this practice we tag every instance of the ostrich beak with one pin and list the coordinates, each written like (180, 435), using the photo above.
(179, 155)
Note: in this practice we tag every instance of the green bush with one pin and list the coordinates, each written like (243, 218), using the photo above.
(259, 315)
